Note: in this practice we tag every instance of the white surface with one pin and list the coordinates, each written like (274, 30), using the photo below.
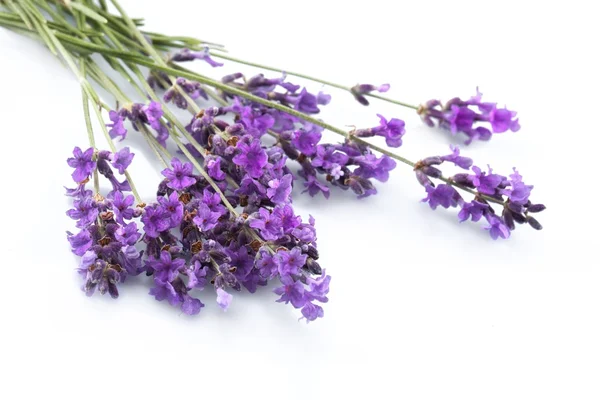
(420, 306)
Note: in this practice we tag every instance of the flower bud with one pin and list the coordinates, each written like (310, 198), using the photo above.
(535, 208)
(534, 223)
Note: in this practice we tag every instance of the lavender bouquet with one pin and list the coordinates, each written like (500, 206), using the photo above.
(223, 215)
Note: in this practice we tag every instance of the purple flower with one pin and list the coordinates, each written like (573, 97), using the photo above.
(268, 224)
(266, 265)
(165, 268)
(392, 130)
(457, 159)
(173, 208)
(79, 191)
(289, 262)
(241, 261)
(318, 288)
(474, 210)
(180, 176)
(502, 120)
(117, 129)
(313, 186)
(312, 311)
(252, 157)
(155, 221)
(280, 189)
(153, 112)
(191, 306)
(441, 195)
(518, 193)
(213, 166)
(361, 186)
(85, 211)
(486, 183)
(460, 119)
(497, 227)
(255, 122)
(122, 159)
(285, 214)
(121, 206)
(306, 102)
(480, 133)
(306, 232)
(165, 290)
(213, 201)
(372, 167)
(196, 276)
(87, 260)
(291, 291)
(83, 164)
(81, 242)
(251, 187)
(206, 219)
(336, 171)
(328, 157)
(323, 99)
(223, 299)
(128, 234)
(306, 141)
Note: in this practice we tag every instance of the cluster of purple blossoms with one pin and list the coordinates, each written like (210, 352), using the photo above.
(470, 117)
(347, 165)
(145, 114)
(193, 240)
(490, 188)
(107, 230)
(293, 96)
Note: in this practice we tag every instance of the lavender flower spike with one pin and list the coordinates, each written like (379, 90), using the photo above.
(105, 242)
(490, 190)
(476, 119)
(83, 162)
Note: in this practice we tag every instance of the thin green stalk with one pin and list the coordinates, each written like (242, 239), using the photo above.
(182, 147)
(155, 147)
(19, 11)
(90, 131)
(87, 89)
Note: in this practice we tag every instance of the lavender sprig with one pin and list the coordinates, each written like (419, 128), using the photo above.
(108, 233)
(488, 189)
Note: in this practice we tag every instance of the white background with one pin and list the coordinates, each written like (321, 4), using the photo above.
(420, 306)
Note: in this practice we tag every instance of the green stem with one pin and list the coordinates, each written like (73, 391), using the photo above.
(155, 146)
(87, 90)
(135, 31)
(90, 131)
